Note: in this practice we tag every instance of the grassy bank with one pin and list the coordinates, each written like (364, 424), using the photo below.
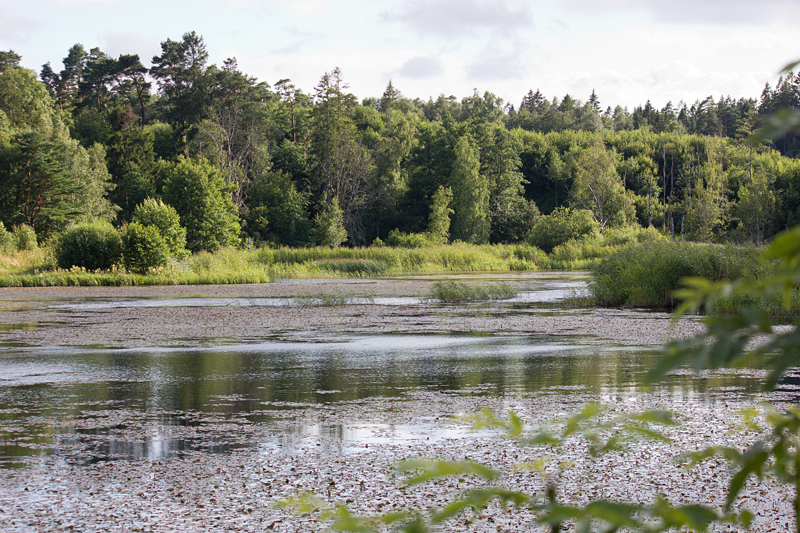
(648, 275)
(619, 257)
(228, 266)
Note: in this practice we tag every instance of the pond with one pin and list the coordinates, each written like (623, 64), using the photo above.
(325, 387)
(88, 403)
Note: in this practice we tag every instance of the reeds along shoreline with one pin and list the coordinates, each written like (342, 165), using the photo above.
(648, 275)
(228, 266)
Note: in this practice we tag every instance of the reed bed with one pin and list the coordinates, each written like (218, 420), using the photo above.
(647, 275)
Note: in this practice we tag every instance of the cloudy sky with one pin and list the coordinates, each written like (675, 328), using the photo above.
(627, 50)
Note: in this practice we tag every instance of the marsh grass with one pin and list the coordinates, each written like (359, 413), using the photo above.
(231, 266)
(323, 300)
(647, 275)
(383, 260)
(455, 292)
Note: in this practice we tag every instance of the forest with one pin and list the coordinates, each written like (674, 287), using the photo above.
(239, 161)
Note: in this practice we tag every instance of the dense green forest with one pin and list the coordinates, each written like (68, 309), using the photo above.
(242, 161)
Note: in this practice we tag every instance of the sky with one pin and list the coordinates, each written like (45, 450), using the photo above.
(628, 51)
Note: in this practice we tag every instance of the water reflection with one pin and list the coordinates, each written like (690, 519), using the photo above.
(101, 404)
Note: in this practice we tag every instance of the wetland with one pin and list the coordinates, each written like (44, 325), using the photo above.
(193, 408)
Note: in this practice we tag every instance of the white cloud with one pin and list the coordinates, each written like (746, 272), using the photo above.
(16, 28)
(718, 12)
(461, 18)
(497, 63)
(421, 68)
(128, 42)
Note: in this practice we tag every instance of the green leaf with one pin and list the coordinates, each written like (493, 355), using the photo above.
(345, 521)
(752, 462)
(478, 500)
(437, 469)
(614, 514)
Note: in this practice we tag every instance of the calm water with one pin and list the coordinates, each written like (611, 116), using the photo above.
(49, 396)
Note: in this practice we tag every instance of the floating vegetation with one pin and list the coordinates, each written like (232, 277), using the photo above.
(323, 300)
(454, 292)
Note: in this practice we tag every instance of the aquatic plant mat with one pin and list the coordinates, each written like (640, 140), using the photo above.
(196, 408)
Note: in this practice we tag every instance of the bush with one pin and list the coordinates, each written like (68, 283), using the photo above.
(6, 240)
(562, 225)
(91, 245)
(144, 248)
(201, 197)
(329, 226)
(156, 213)
(25, 238)
(647, 275)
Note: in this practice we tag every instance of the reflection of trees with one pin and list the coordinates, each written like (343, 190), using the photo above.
(164, 386)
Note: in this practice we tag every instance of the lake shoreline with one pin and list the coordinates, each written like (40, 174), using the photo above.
(129, 327)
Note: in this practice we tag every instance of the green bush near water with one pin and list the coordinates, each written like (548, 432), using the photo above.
(25, 238)
(91, 245)
(144, 248)
(647, 275)
(156, 213)
(6, 240)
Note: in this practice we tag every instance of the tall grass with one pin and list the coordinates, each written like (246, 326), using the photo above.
(455, 292)
(38, 268)
(384, 260)
(647, 275)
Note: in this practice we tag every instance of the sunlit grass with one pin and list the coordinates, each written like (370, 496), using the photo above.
(455, 292)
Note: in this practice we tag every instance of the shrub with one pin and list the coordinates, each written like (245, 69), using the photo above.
(144, 248)
(25, 238)
(561, 226)
(201, 197)
(6, 240)
(329, 226)
(91, 245)
(648, 274)
(156, 213)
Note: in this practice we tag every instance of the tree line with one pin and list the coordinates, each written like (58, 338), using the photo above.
(242, 160)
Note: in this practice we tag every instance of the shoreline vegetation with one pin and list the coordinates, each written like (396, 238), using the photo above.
(632, 268)
(38, 268)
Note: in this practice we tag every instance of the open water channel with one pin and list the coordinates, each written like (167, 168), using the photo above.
(77, 406)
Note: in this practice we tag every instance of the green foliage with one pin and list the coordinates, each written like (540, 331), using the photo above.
(439, 220)
(38, 189)
(411, 240)
(329, 225)
(197, 192)
(24, 237)
(156, 213)
(470, 221)
(649, 274)
(353, 267)
(597, 186)
(7, 244)
(560, 226)
(725, 342)
(454, 292)
(276, 211)
(144, 248)
(91, 245)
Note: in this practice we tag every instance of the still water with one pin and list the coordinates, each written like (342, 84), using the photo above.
(90, 404)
